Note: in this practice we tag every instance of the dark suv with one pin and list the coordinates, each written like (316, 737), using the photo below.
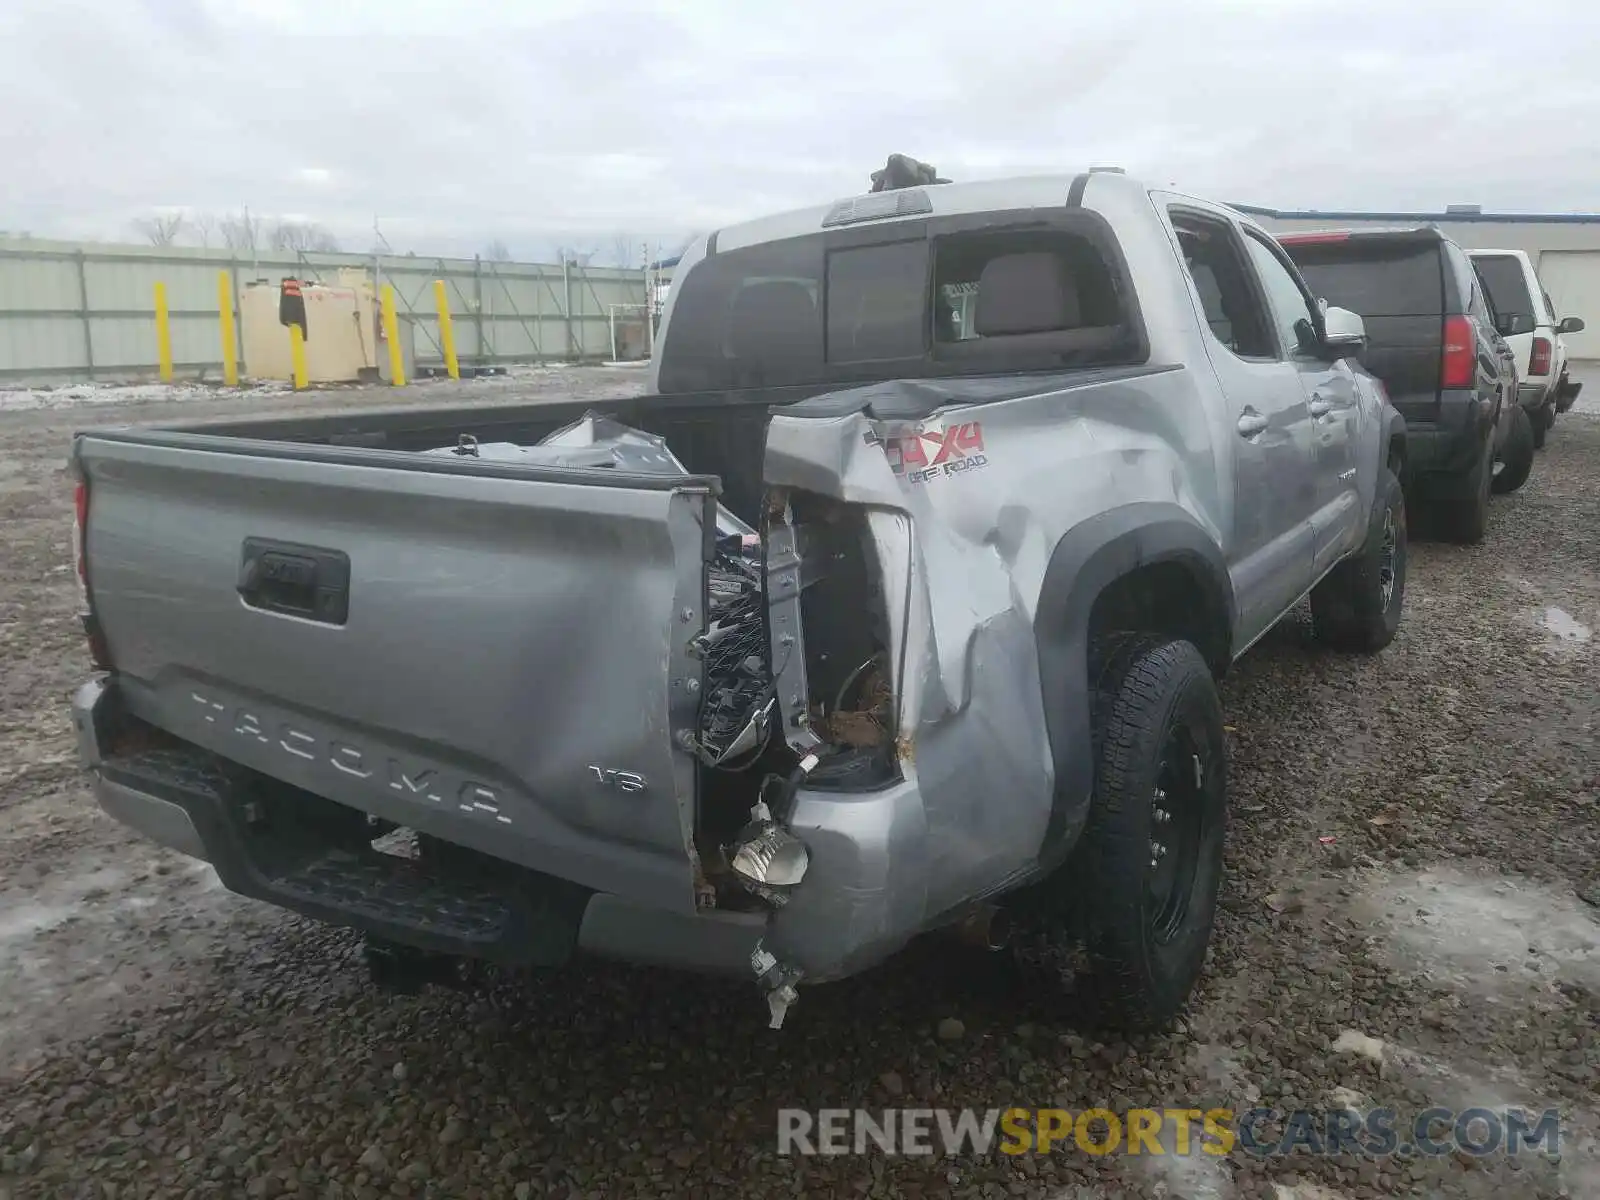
(1432, 339)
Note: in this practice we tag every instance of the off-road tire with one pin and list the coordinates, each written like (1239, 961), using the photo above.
(1358, 605)
(1126, 956)
(1465, 521)
(1516, 456)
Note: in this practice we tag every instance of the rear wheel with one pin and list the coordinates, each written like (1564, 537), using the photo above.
(1138, 896)
(1358, 605)
(1516, 457)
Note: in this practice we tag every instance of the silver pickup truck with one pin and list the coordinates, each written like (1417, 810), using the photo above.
(894, 608)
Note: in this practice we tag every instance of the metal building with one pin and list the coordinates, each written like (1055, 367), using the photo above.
(74, 311)
(1565, 247)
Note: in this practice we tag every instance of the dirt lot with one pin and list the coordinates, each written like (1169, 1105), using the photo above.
(1414, 858)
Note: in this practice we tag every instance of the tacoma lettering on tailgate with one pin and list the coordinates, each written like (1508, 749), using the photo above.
(411, 778)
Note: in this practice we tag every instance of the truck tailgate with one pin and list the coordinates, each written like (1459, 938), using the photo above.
(1404, 353)
(492, 654)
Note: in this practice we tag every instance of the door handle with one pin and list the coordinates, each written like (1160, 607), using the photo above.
(1251, 423)
(1320, 405)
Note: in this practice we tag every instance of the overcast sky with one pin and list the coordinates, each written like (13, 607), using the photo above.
(573, 120)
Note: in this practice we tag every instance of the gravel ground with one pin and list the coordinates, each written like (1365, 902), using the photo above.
(1414, 858)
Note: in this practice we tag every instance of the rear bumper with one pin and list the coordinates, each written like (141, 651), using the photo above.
(842, 918)
(1534, 396)
(1448, 441)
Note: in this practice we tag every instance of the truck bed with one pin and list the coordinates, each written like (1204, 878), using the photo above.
(716, 434)
(494, 654)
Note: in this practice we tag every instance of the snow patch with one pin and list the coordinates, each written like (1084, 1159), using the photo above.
(23, 922)
(1188, 1176)
(54, 905)
(1305, 1191)
(205, 876)
(80, 394)
(1352, 1041)
(1343, 1097)
(1193, 1176)
(1219, 1066)
(1495, 936)
(1564, 626)
(77, 941)
(1500, 1087)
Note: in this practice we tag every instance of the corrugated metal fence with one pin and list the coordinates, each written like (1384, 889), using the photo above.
(79, 311)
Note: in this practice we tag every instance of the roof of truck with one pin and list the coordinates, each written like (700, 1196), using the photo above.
(1307, 237)
(1463, 216)
(937, 199)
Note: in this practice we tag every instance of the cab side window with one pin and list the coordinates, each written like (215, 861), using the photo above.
(1216, 264)
(1481, 306)
(1467, 283)
(1292, 311)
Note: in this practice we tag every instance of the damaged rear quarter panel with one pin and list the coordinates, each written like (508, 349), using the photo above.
(964, 555)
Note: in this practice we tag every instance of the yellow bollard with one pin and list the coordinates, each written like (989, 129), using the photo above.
(297, 356)
(163, 333)
(391, 334)
(447, 333)
(230, 345)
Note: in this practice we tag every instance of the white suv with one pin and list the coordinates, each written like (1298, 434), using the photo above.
(1526, 319)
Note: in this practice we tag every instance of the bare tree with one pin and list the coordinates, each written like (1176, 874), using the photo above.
(303, 236)
(163, 228)
(240, 231)
(624, 250)
(497, 251)
(575, 256)
(205, 226)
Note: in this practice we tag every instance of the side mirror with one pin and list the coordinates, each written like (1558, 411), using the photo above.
(1343, 333)
(1571, 325)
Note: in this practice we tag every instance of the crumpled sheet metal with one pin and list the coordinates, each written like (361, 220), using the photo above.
(970, 717)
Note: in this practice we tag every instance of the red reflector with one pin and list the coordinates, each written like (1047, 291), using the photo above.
(1458, 364)
(99, 653)
(80, 504)
(1308, 239)
(1539, 360)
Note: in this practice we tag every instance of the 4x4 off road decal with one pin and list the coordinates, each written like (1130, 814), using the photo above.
(933, 454)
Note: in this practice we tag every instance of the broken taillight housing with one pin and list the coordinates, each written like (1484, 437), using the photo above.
(766, 854)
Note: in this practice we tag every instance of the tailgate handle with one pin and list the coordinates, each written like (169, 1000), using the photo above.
(309, 582)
